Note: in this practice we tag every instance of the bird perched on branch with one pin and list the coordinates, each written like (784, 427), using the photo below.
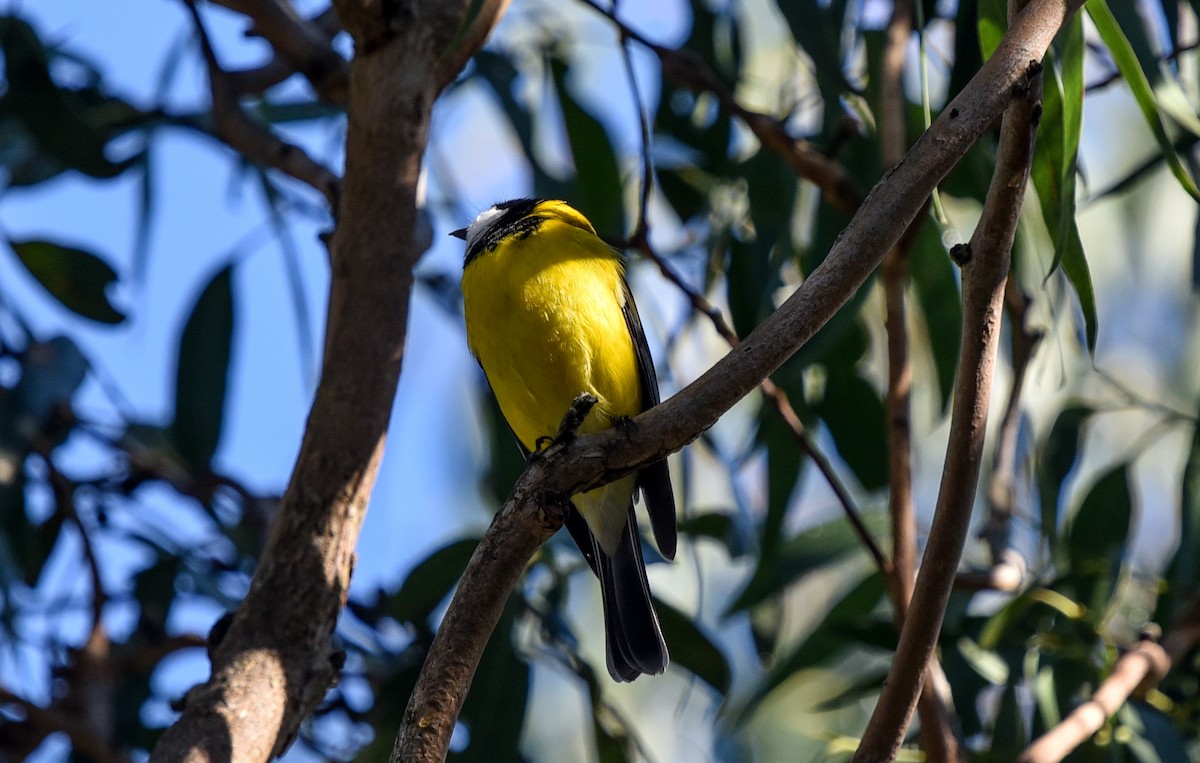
(549, 316)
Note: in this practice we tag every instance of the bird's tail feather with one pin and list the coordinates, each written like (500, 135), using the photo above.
(633, 636)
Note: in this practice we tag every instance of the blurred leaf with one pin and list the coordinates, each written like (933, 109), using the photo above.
(494, 710)
(827, 641)
(992, 24)
(65, 125)
(752, 271)
(1157, 739)
(807, 551)
(719, 527)
(1047, 701)
(506, 457)
(1127, 63)
(23, 545)
(853, 411)
(1183, 573)
(431, 581)
(1009, 735)
(785, 460)
(202, 372)
(1054, 169)
(818, 30)
(77, 279)
(939, 301)
(692, 649)
(154, 589)
(597, 190)
(861, 687)
(1058, 456)
(1096, 537)
(967, 46)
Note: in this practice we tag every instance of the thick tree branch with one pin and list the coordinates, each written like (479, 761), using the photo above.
(590, 460)
(985, 264)
(275, 662)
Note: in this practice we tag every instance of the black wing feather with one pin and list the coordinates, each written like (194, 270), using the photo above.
(655, 479)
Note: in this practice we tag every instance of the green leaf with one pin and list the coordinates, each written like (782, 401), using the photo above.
(598, 189)
(940, 303)
(1009, 735)
(1127, 63)
(1055, 170)
(1183, 573)
(1058, 456)
(431, 581)
(494, 710)
(827, 641)
(992, 24)
(64, 125)
(818, 30)
(853, 411)
(785, 460)
(811, 549)
(77, 279)
(202, 372)
(692, 649)
(1096, 537)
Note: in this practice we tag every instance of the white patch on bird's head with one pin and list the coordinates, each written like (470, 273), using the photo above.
(482, 223)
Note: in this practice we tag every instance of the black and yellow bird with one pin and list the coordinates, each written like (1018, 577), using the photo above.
(549, 316)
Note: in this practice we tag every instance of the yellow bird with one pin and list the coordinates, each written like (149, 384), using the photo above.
(549, 316)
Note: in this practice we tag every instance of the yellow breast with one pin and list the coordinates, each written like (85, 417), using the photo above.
(544, 317)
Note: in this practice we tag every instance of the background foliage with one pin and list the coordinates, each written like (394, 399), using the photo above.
(778, 620)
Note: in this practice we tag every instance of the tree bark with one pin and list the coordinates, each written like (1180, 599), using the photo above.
(274, 663)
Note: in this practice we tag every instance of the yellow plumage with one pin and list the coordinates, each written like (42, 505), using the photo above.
(548, 317)
(546, 324)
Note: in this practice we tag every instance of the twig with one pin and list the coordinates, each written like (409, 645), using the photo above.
(689, 70)
(1134, 674)
(985, 264)
(252, 139)
(260, 78)
(939, 739)
(303, 43)
(1001, 490)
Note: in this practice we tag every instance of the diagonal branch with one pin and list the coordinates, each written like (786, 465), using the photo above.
(303, 43)
(259, 78)
(252, 139)
(1134, 673)
(594, 459)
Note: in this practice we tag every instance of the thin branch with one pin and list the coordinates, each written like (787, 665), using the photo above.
(252, 139)
(1008, 567)
(259, 79)
(303, 43)
(689, 70)
(594, 459)
(985, 264)
(1133, 675)
(939, 739)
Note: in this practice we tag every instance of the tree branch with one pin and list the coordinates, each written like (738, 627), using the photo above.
(985, 265)
(259, 78)
(252, 139)
(1134, 673)
(590, 460)
(275, 662)
(303, 43)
